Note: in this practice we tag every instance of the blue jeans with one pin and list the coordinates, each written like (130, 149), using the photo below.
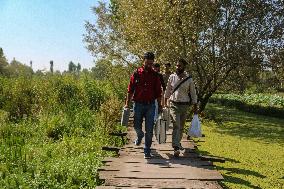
(148, 111)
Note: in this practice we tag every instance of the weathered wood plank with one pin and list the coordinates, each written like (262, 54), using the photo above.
(162, 183)
(156, 167)
(193, 173)
(149, 162)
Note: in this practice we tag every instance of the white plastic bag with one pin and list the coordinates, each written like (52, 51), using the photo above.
(195, 128)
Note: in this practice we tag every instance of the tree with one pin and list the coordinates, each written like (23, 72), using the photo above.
(57, 72)
(72, 67)
(85, 71)
(117, 75)
(3, 63)
(79, 67)
(103, 41)
(277, 66)
(220, 39)
(39, 73)
(16, 68)
(102, 69)
(51, 66)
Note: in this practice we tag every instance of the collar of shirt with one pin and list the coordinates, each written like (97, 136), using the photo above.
(142, 69)
(182, 75)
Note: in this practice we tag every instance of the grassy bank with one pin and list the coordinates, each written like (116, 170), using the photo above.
(252, 145)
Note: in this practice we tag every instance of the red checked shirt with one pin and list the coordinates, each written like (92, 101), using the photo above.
(146, 86)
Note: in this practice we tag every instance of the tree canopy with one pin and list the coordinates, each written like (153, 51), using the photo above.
(220, 39)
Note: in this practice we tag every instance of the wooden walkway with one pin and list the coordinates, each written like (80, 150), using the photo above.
(131, 170)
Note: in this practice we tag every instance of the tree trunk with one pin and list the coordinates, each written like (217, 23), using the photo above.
(203, 102)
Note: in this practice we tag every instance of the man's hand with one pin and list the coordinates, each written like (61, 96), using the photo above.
(195, 109)
(167, 103)
(128, 98)
(160, 108)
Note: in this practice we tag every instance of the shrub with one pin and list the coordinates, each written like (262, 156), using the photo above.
(110, 113)
(59, 124)
(19, 100)
(270, 105)
(56, 127)
(95, 94)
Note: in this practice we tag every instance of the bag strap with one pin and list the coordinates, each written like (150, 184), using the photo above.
(136, 80)
(176, 88)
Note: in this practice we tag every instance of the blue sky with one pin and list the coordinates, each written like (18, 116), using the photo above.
(44, 30)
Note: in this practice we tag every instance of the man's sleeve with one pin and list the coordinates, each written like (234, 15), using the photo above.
(192, 92)
(131, 86)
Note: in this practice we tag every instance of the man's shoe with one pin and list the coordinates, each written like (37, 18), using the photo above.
(180, 147)
(147, 156)
(137, 142)
(176, 152)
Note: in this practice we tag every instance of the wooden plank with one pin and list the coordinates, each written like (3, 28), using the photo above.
(192, 174)
(162, 183)
(160, 154)
(161, 169)
(158, 167)
(153, 162)
(126, 159)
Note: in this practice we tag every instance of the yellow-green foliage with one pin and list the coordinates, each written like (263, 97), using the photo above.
(52, 129)
(24, 97)
(110, 115)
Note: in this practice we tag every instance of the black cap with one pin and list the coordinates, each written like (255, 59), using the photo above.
(149, 56)
(183, 61)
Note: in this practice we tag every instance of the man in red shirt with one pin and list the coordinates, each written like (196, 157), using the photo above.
(143, 89)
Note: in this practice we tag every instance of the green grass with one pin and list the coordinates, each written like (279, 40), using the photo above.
(252, 145)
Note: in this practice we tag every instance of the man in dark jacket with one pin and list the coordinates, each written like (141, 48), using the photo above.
(143, 89)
